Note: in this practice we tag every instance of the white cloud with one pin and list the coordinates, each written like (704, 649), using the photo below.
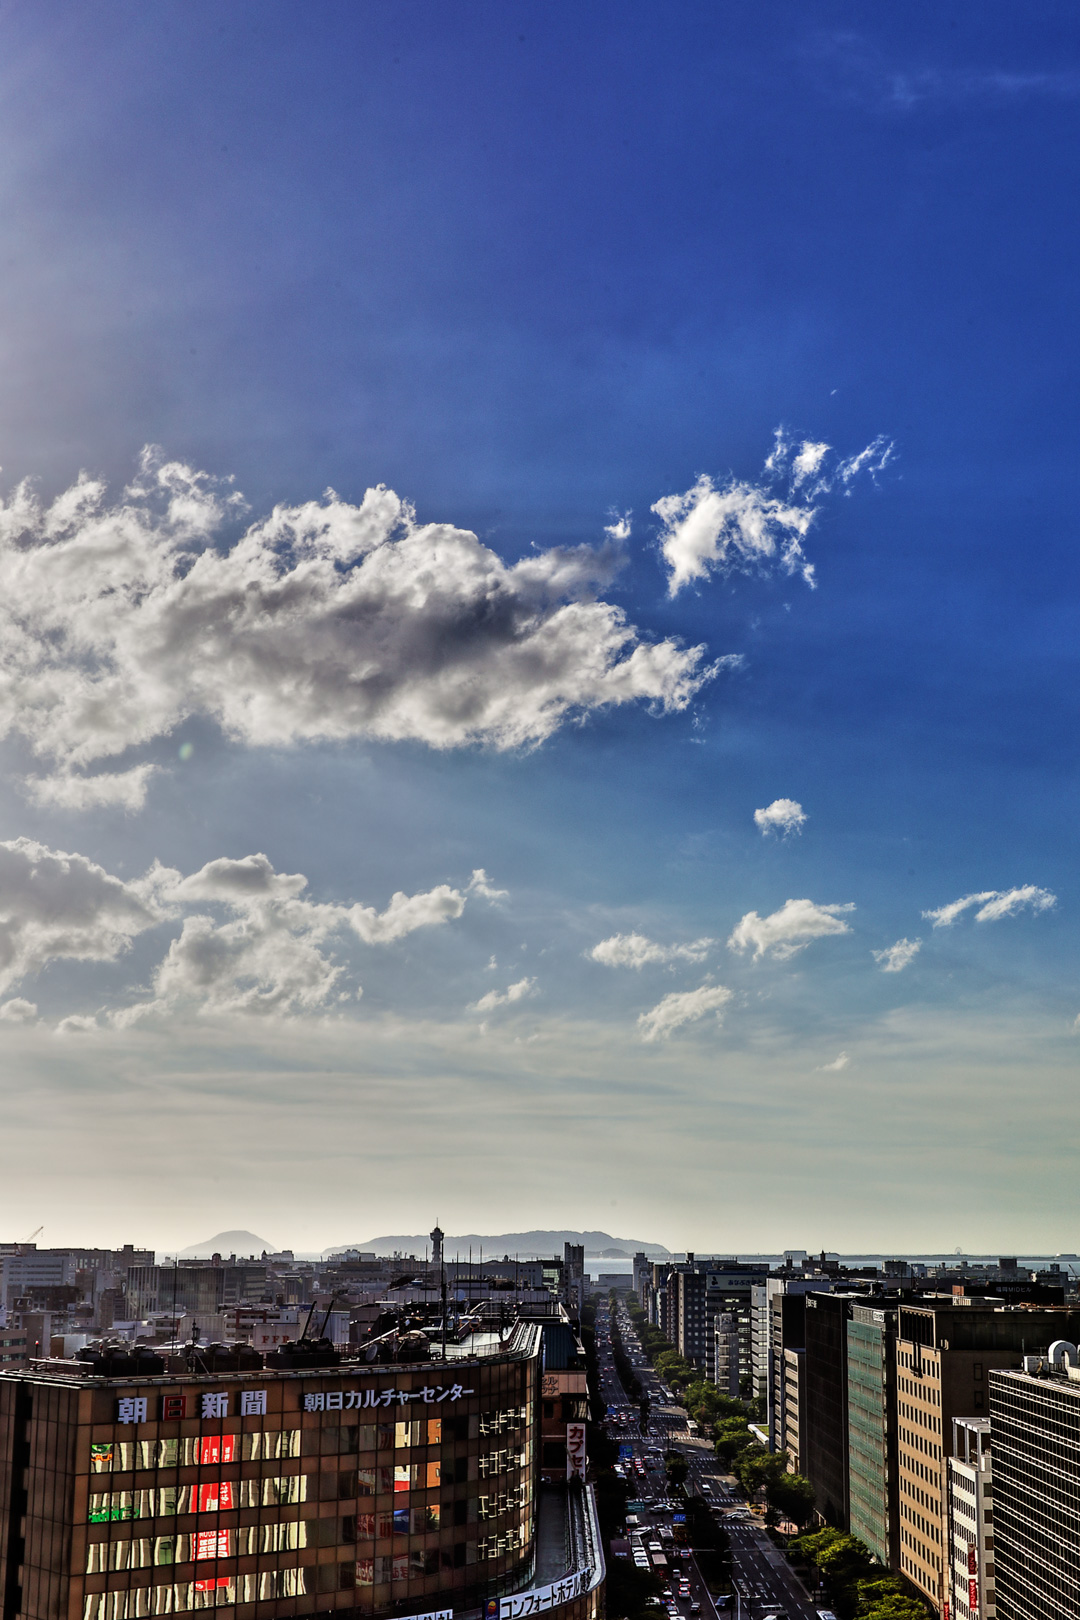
(782, 816)
(835, 1066)
(636, 950)
(503, 998)
(18, 1011)
(993, 904)
(54, 905)
(323, 621)
(683, 1007)
(480, 884)
(895, 958)
(125, 789)
(723, 528)
(790, 929)
(619, 527)
(807, 461)
(267, 954)
(736, 526)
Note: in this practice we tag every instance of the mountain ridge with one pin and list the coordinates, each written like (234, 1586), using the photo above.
(536, 1244)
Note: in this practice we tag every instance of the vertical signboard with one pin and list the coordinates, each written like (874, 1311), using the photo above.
(575, 1451)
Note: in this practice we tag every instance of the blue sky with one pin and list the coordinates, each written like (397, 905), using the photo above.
(536, 269)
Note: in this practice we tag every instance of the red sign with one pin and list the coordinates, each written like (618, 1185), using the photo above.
(217, 1448)
(217, 1497)
(973, 1558)
(211, 1586)
(973, 1596)
(213, 1544)
(173, 1406)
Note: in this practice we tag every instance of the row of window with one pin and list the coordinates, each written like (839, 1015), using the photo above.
(123, 1456)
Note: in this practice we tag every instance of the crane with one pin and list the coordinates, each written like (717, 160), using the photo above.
(33, 1235)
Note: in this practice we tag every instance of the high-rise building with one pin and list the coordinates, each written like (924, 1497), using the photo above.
(970, 1533)
(873, 1502)
(825, 1403)
(946, 1348)
(703, 1289)
(726, 1354)
(1035, 1424)
(401, 1486)
(792, 1436)
(784, 1329)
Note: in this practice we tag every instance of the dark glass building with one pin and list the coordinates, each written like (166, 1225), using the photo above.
(1035, 1423)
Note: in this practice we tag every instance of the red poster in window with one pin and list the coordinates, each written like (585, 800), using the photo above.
(212, 1586)
(216, 1497)
(973, 1596)
(973, 1558)
(213, 1544)
(217, 1448)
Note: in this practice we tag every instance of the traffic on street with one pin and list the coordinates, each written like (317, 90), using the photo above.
(764, 1586)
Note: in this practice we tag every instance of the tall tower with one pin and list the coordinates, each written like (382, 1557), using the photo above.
(436, 1234)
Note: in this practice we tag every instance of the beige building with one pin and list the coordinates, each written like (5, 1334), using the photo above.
(945, 1350)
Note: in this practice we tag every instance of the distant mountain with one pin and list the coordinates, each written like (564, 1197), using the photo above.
(226, 1243)
(525, 1245)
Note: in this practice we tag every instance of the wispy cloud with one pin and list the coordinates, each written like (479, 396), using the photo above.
(505, 998)
(837, 1064)
(119, 620)
(895, 958)
(784, 816)
(993, 904)
(785, 932)
(637, 951)
(683, 1007)
(740, 526)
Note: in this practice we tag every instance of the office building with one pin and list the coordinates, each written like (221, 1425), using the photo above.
(873, 1500)
(132, 1486)
(825, 1403)
(702, 1290)
(792, 1406)
(1035, 1424)
(946, 1348)
(970, 1532)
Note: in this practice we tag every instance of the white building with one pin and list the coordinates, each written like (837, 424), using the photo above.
(969, 1570)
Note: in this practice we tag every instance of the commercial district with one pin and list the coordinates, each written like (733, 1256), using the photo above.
(489, 1440)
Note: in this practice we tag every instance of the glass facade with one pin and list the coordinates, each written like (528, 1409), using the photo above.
(871, 1461)
(369, 1488)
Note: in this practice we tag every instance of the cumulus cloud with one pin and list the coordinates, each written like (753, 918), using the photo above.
(637, 951)
(249, 941)
(268, 955)
(782, 816)
(895, 958)
(785, 932)
(55, 906)
(503, 998)
(740, 526)
(835, 1066)
(323, 621)
(683, 1007)
(993, 904)
(18, 1011)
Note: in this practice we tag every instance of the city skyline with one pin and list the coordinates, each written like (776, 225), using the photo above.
(537, 652)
